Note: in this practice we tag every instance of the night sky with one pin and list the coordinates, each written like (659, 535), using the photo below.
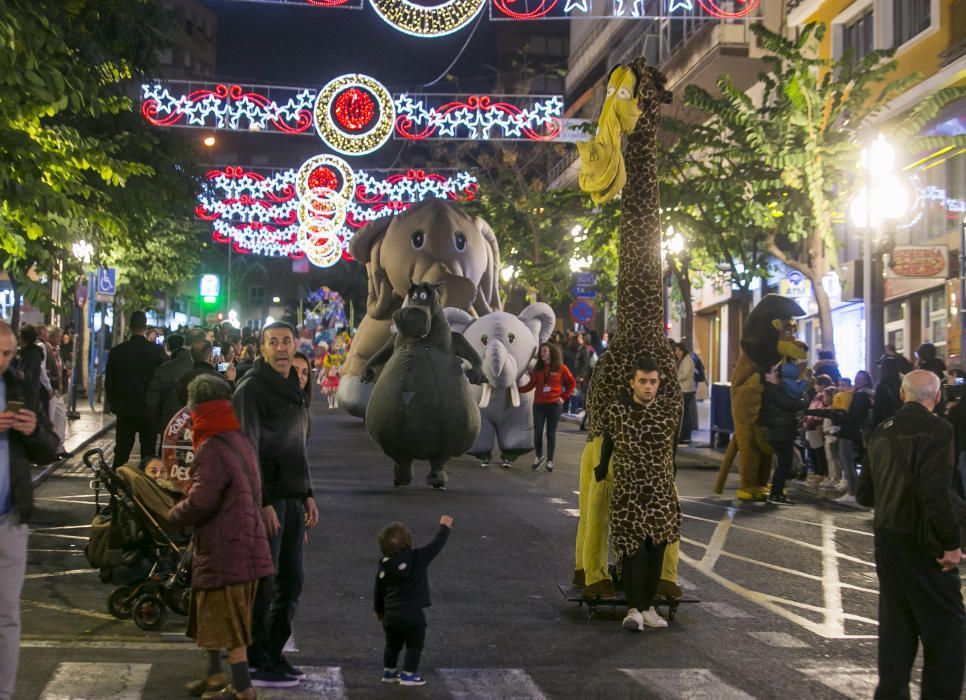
(307, 46)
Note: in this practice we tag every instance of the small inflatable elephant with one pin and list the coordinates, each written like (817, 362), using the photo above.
(506, 344)
(433, 241)
(421, 406)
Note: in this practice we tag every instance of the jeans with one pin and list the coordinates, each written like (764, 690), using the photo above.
(278, 596)
(687, 426)
(125, 429)
(13, 566)
(918, 601)
(641, 573)
(816, 456)
(545, 414)
(407, 631)
(784, 450)
(847, 458)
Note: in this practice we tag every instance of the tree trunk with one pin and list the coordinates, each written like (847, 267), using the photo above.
(814, 273)
(15, 312)
(683, 276)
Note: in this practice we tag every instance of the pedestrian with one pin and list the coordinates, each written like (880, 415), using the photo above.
(854, 424)
(827, 365)
(568, 355)
(682, 354)
(30, 362)
(830, 432)
(26, 438)
(886, 400)
(57, 409)
(229, 547)
(907, 481)
(928, 360)
(273, 413)
(814, 438)
(779, 418)
(202, 362)
(162, 397)
(130, 370)
(902, 362)
(552, 384)
(402, 592)
(303, 368)
(247, 359)
(584, 360)
(645, 514)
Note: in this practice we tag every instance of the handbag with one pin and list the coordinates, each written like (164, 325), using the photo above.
(926, 534)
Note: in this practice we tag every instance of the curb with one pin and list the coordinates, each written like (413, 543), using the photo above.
(45, 473)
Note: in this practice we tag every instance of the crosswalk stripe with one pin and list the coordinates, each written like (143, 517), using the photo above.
(490, 684)
(691, 683)
(572, 512)
(76, 681)
(725, 610)
(850, 681)
(782, 640)
(323, 682)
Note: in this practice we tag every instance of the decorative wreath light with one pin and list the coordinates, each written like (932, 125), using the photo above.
(323, 248)
(354, 114)
(416, 20)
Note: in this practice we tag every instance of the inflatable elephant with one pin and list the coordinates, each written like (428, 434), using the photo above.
(422, 406)
(506, 344)
(433, 241)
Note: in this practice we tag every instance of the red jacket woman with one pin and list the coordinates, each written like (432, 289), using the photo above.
(553, 384)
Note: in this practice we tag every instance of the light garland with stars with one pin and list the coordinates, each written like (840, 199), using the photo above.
(477, 118)
(354, 114)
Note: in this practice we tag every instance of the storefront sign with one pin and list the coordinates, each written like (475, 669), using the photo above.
(919, 262)
(795, 285)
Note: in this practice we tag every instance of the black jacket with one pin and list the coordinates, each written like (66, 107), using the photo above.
(779, 413)
(40, 447)
(130, 369)
(886, 402)
(162, 399)
(402, 582)
(273, 414)
(197, 370)
(926, 441)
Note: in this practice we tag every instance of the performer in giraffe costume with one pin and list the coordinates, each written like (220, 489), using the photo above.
(635, 94)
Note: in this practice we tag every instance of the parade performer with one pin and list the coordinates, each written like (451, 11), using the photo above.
(421, 406)
(768, 337)
(329, 380)
(635, 94)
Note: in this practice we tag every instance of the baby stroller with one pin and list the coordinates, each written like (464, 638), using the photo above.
(135, 548)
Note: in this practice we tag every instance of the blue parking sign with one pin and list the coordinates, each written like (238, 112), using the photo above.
(106, 282)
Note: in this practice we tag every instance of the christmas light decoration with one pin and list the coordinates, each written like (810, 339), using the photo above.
(354, 114)
(225, 107)
(526, 10)
(714, 8)
(417, 20)
(478, 117)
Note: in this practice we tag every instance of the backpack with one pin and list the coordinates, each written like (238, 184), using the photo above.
(699, 375)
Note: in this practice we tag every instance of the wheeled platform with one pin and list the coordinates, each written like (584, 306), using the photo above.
(574, 594)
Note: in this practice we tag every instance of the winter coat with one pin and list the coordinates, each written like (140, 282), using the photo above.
(273, 414)
(162, 399)
(886, 402)
(926, 441)
(223, 504)
(582, 363)
(40, 447)
(196, 371)
(779, 413)
(402, 582)
(829, 368)
(686, 374)
(130, 369)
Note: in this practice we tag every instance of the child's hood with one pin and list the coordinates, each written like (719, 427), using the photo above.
(396, 569)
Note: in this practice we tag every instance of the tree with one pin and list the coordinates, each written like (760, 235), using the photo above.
(799, 143)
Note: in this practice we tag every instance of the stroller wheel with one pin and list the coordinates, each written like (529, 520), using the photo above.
(178, 599)
(119, 602)
(149, 612)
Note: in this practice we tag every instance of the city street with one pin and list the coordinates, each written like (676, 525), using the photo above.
(787, 597)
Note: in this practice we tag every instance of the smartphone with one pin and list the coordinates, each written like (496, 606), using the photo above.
(14, 406)
(223, 366)
(216, 352)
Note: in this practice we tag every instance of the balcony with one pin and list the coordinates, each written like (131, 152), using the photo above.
(714, 50)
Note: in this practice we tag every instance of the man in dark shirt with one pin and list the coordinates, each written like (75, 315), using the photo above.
(908, 481)
(130, 368)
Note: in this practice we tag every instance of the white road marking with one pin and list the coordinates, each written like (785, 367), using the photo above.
(572, 512)
(490, 684)
(62, 527)
(71, 572)
(34, 533)
(685, 583)
(850, 681)
(75, 681)
(831, 585)
(701, 501)
(691, 683)
(576, 493)
(324, 682)
(68, 609)
(290, 645)
(782, 640)
(725, 610)
(61, 551)
(559, 501)
(118, 644)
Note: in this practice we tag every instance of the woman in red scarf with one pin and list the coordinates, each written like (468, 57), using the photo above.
(231, 551)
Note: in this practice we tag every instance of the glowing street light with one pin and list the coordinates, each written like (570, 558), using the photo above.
(209, 141)
(83, 251)
(508, 273)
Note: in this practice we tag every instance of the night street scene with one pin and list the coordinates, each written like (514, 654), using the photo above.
(482, 349)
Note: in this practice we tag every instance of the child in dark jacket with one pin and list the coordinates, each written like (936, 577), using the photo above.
(402, 591)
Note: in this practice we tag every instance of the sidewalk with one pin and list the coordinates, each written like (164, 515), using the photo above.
(82, 431)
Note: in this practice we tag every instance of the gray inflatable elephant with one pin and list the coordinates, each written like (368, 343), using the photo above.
(507, 344)
(434, 241)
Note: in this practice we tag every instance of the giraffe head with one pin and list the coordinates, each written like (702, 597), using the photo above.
(650, 91)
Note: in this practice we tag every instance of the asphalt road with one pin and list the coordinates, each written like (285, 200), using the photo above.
(787, 596)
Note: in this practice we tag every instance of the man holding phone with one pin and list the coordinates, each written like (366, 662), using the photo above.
(24, 440)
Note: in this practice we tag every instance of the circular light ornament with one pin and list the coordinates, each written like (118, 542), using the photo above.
(322, 248)
(325, 172)
(416, 20)
(716, 8)
(354, 114)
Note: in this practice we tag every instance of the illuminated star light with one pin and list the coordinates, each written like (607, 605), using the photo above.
(680, 5)
(578, 5)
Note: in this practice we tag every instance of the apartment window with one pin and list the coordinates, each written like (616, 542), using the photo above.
(909, 19)
(187, 60)
(166, 57)
(934, 320)
(858, 37)
(256, 295)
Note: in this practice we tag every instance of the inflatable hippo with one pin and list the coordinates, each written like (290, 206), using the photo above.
(422, 406)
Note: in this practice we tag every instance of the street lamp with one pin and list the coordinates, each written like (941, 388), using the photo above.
(83, 251)
(882, 197)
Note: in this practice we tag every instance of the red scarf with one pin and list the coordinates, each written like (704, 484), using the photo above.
(210, 418)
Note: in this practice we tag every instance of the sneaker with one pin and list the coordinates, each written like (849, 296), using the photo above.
(270, 678)
(633, 621)
(846, 499)
(537, 462)
(505, 464)
(390, 675)
(485, 463)
(411, 678)
(549, 465)
(282, 665)
(781, 500)
(650, 618)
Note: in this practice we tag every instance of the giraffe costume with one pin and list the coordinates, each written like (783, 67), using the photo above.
(633, 106)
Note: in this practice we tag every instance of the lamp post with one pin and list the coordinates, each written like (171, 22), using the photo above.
(882, 197)
(84, 252)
